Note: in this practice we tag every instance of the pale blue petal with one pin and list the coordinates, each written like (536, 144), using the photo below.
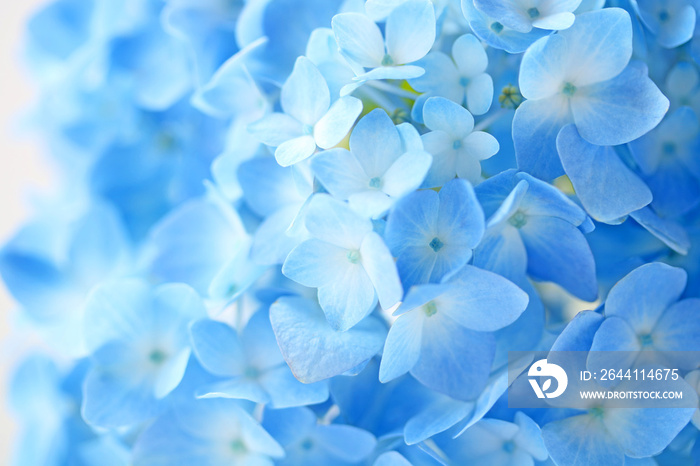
(620, 110)
(605, 186)
(271, 243)
(403, 346)
(217, 347)
(509, 13)
(295, 150)
(275, 128)
(391, 458)
(286, 391)
(240, 388)
(645, 432)
(445, 115)
(315, 263)
(313, 350)
(670, 232)
(305, 95)
(390, 72)
(678, 329)
(117, 312)
(410, 31)
(334, 222)
(349, 298)
(579, 333)
(375, 142)
(359, 39)
(481, 300)
(480, 94)
(406, 174)
(581, 441)
(544, 67)
(345, 442)
(536, 125)
(502, 251)
(371, 203)
(379, 265)
(454, 360)
(336, 124)
(469, 56)
(589, 60)
(340, 173)
(558, 252)
(556, 21)
(659, 284)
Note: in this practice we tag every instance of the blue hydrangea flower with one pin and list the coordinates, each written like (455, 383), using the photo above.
(309, 119)
(523, 16)
(495, 441)
(495, 33)
(568, 78)
(533, 228)
(308, 441)
(666, 157)
(409, 35)
(434, 318)
(251, 363)
(643, 312)
(377, 170)
(456, 148)
(433, 234)
(213, 431)
(346, 260)
(140, 347)
(671, 21)
(462, 78)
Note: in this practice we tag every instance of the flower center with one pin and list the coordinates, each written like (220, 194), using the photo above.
(596, 412)
(457, 144)
(533, 13)
(238, 446)
(375, 182)
(664, 16)
(464, 81)
(569, 89)
(518, 219)
(496, 27)
(387, 60)
(353, 256)
(646, 340)
(307, 444)
(308, 130)
(509, 446)
(430, 309)
(669, 148)
(157, 357)
(251, 373)
(436, 244)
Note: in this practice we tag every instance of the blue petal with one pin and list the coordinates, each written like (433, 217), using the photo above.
(379, 265)
(454, 360)
(334, 222)
(410, 31)
(336, 123)
(217, 347)
(620, 110)
(445, 115)
(557, 251)
(536, 125)
(359, 39)
(340, 173)
(403, 346)
(286, 391)
(305, 95)
(581, 440)
(482, 300)
(313, 350)
(607, 189)
(644, 294)
(668, 231)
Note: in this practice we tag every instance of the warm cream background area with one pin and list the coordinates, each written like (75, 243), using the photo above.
(23, 174)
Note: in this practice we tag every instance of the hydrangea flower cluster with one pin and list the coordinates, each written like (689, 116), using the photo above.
(308, 232)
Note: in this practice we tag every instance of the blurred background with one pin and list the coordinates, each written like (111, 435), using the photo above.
(24, 174)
